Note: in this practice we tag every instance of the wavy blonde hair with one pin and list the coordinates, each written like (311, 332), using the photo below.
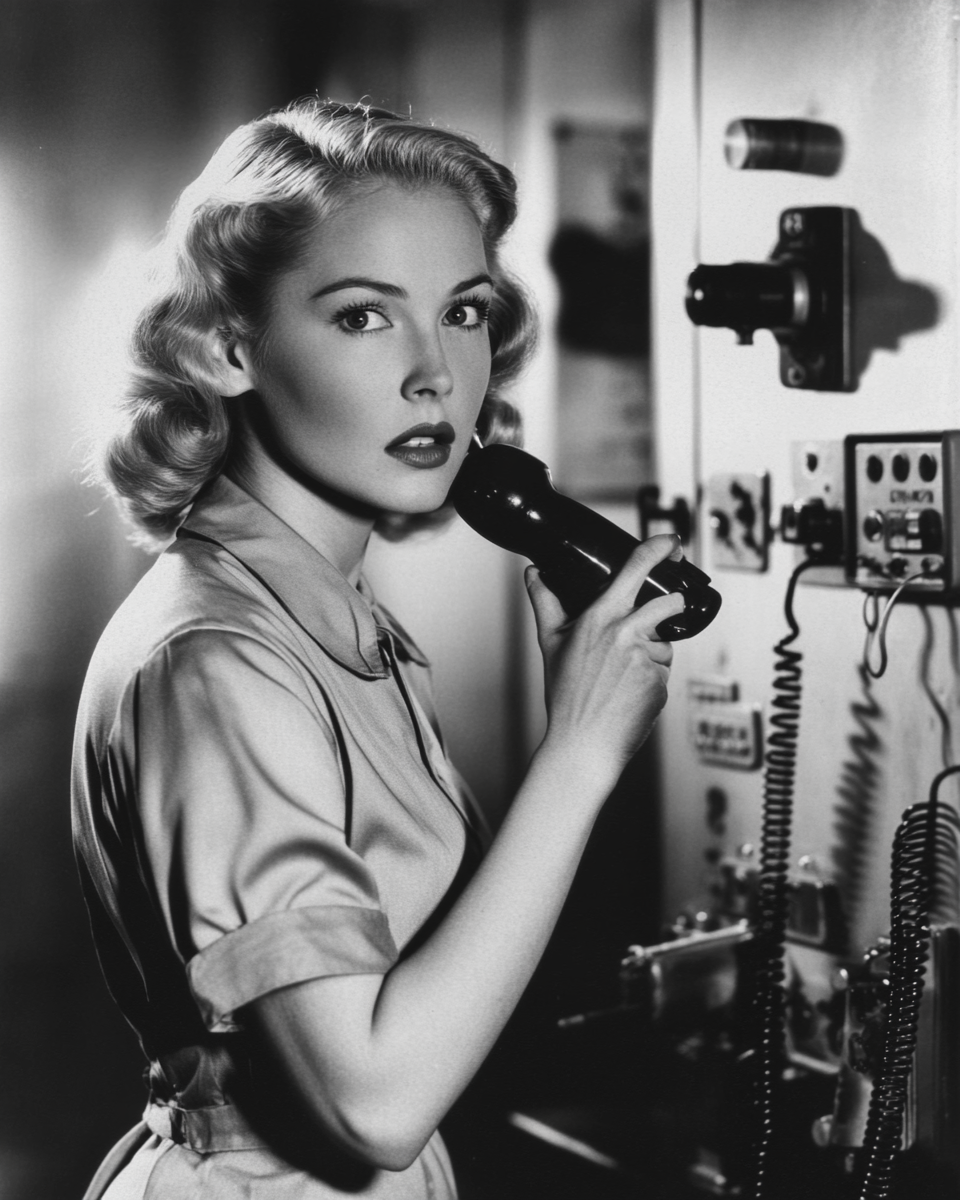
(245, 220)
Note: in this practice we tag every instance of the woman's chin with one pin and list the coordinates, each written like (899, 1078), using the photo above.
(405, 511)
(421, 501)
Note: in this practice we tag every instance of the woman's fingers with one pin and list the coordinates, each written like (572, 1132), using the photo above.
(648, 616)
(547, 610)
(606, 673)
(645, 557)
(550, 615)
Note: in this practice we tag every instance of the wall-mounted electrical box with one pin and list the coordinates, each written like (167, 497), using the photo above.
(727, 735)
(902, 518)
(802, 293)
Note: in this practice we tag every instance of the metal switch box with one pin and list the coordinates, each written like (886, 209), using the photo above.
(902, 511)
(739, 514)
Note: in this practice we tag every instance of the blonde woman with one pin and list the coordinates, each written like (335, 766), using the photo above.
(292, 897)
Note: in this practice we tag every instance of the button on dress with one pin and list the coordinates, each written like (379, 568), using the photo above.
(260, 797)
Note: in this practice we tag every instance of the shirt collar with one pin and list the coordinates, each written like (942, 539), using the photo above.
(346, 621)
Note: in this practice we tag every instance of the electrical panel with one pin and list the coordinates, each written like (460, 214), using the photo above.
(831, 1068)
(823, 1034)
(880, 511)
(902, 524)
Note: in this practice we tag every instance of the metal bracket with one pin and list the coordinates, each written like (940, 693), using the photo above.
(818, 354)
(739, 508)
(649, 510)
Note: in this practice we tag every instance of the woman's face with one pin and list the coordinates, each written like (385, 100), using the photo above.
(377, 355)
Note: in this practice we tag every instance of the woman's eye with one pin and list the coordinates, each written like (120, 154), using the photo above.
(465, 315)
(362, 320)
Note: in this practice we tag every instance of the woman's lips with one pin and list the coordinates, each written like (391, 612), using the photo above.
(423, 446)
(424, 457)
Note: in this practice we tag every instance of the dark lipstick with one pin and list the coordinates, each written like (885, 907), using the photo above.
(423, 446)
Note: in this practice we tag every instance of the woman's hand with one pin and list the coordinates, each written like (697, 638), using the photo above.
(606, 673)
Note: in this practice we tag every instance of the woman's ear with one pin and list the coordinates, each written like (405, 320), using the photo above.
(233, 366)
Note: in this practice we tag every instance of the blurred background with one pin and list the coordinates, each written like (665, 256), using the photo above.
(109, 107)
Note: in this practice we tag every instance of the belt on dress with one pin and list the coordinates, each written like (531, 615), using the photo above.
(217, 1127)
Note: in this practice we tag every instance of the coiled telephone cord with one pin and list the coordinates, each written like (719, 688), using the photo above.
(912, 882)
(766, 1059)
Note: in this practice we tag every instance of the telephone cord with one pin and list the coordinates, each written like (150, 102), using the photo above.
(911, 891)
(766, 1060)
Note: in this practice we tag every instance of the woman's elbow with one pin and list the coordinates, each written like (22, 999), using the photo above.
(383, 1138)
(394, 1156)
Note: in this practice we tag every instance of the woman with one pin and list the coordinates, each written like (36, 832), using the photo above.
(280, 864)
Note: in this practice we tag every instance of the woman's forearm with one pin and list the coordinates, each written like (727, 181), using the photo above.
(380, 1061)
(454, 996)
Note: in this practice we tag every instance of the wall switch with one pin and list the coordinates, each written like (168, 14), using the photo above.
(738, 507)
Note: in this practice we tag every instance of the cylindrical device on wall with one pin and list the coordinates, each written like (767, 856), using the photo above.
(748, 296)
(806, 147)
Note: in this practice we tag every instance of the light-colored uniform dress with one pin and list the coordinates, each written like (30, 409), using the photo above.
(260, 797)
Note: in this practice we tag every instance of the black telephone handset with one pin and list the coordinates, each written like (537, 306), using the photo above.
(507, 496)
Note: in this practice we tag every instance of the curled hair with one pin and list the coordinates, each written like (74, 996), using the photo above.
(244, 221)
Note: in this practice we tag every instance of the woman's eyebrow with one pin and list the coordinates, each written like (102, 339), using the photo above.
(361, 281)
(473, 282)
(391, 289)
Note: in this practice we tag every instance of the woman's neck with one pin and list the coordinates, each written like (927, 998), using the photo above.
(336, 532)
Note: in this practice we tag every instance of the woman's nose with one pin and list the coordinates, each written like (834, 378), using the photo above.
(429, 375)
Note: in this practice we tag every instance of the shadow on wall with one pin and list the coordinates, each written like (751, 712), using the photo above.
(858, 791)
(886, 308)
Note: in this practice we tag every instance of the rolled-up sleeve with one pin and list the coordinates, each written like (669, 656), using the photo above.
(242, 801)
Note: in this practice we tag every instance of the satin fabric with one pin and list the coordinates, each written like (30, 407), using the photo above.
(261, 797)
